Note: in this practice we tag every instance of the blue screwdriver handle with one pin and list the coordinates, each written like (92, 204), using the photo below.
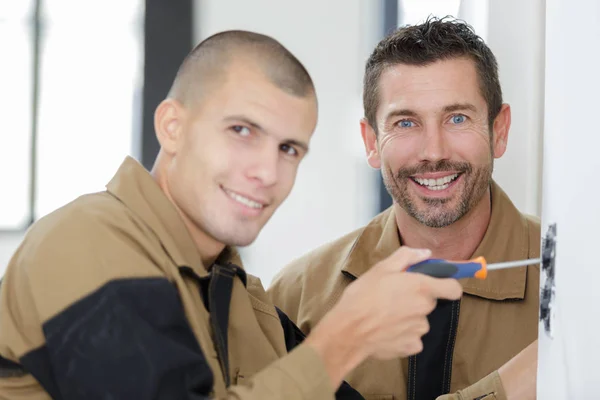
(439, 268)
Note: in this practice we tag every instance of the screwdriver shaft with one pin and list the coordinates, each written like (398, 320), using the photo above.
(513, 264)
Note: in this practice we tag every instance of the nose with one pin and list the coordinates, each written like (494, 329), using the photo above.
(434, 146)
(264, 166)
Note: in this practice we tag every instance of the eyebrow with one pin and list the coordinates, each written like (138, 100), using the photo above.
(460, 107)
(405, 112)
(246, 120)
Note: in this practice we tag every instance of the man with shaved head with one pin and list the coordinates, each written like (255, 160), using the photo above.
(137, 292)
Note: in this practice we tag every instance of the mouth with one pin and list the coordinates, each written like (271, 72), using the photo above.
(436, 184)
(245, 200)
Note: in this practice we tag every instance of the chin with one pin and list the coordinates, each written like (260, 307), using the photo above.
(440, 221)
(441, 216)
(239, 240)
(237, 232)
(243, 243)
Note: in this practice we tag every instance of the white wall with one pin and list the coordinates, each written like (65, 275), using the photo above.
(335, 191)
(568, 363)
(515, 33)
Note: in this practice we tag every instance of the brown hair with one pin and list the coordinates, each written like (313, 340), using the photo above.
(206, 65)
(423, 44)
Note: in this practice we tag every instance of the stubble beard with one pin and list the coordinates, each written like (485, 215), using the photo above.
(438, 212)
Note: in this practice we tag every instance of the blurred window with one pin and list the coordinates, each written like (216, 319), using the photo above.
(90, 95)
(16, 72)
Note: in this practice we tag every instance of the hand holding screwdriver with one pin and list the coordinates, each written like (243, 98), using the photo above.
(381, 315)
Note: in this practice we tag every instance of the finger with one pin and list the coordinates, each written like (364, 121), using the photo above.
(423, 327)
(447, 288)
(404, 257)
(414, 347)
(415, 326)
(427, 306)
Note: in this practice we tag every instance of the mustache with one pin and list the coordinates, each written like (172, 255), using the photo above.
(439, 166)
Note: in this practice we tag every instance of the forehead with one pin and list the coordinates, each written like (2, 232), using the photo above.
(430, 87)
(245, 91)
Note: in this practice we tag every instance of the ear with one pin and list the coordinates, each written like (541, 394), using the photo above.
(168, 124)
(501, 128)
(370, 140)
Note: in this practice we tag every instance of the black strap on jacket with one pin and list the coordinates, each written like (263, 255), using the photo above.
(215, 291)
(219, 299)
(430, 371)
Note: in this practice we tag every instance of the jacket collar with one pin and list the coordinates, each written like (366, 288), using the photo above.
(506, 239)
(376, 241)
(138, 191)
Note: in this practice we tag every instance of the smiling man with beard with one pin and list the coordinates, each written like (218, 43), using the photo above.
(434, 123)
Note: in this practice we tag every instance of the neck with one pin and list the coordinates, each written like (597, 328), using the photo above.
(208, 248)
(458, 241)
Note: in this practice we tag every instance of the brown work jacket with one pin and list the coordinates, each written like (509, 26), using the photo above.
(107, 297)
(468, 340)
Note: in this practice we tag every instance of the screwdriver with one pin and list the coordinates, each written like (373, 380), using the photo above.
(477, 267)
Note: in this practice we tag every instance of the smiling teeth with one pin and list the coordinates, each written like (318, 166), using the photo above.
(436, 184)
(244, 200)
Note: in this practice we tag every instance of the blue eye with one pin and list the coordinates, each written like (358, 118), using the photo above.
(458, 119)
(241, 130)
(405, 124)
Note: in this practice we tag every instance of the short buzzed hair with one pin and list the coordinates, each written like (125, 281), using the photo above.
(206, 65)
(436, 39)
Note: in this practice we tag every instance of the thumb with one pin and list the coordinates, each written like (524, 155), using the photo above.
(404, 257)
